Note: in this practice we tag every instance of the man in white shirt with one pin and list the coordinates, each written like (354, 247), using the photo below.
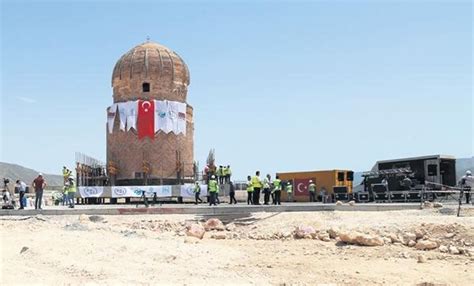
(266, 189)
(21, 186)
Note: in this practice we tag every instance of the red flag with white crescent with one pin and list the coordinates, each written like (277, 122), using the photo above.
(301, 187)
(146, 119)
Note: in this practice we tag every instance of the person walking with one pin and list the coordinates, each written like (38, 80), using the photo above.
(277, 191)
(21, 190)
(312, 191)
(232, 193)
(71, 192)
(249, 191)
(39, 184)
(197, 193)
(289, 191)
(213, 185)
(266, 189)
(257, 187)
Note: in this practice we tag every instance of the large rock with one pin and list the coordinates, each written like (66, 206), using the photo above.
(195, 230)
(324, 236)
(454, 250)
(369, 240)
(338, 203)
(214, 224)
(333, 232)
(352, 203)
(419, 233)
(426, 245)
(361, 239)
(303, 231)
(394, 238)
(348, 237)
(443, 249)
(407, 237)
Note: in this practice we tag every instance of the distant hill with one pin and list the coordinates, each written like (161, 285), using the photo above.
(462, 165)
(15, 172)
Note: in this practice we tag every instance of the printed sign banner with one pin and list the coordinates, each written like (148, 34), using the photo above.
(137, 191)
(91, 192)
(187, 191)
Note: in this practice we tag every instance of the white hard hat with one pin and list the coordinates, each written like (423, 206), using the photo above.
(213, 177)
(71, 178)
(310, 181)
(468, 172)
(40, 174)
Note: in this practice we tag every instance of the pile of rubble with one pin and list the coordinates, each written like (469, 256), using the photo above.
(444, 238)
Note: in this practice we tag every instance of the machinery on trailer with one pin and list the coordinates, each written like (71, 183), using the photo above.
(403, 180)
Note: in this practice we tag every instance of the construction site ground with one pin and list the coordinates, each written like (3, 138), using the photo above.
(255, 248)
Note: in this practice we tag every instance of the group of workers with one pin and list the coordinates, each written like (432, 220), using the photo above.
(222, 173)
(255, 186)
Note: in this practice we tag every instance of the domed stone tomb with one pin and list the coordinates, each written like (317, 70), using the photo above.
(150, 125)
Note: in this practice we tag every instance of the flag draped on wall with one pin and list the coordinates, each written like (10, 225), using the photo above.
(111, 117)
(149, 117)
(146, 119)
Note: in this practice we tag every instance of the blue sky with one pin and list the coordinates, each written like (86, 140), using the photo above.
(276, 86)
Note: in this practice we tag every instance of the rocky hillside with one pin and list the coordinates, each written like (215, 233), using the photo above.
(15, 172)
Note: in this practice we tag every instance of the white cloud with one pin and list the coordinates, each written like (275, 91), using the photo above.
(26, 99)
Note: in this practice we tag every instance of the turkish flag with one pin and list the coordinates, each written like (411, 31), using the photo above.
(146, 119)
(301, 187)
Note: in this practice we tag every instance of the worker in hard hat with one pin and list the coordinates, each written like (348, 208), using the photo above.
(257, 187)
(467, 184)
(71, 191)
(197, 193)
(249, 191)
(65, 174)
(312, 191)
(277, 191)
(266, 189)
(289, 191)
(213, 189)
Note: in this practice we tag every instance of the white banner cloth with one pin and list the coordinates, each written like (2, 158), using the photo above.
(136, 191)
(187, 191)
(91, 192)
(111, 111)
(170, 116)
(161, 116)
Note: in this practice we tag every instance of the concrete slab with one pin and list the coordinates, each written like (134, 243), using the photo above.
(203, 209)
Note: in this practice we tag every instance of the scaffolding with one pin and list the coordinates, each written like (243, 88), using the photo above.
(90, 171)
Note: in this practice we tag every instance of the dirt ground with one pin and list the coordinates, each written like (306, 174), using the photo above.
(258, 250)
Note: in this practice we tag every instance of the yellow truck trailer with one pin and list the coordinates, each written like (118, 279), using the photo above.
(327, 181)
